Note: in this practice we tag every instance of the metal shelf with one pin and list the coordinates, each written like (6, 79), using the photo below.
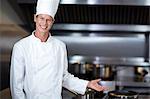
(98, 2)
(114, 61)
(102, 27)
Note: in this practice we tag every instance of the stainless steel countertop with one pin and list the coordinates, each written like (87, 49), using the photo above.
(127, 83)
(141, 87)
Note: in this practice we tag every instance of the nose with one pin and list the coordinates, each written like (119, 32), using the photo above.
(44, 21)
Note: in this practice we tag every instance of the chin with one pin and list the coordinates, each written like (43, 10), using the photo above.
(44, 31)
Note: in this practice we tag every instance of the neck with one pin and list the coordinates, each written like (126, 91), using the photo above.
(43, 36)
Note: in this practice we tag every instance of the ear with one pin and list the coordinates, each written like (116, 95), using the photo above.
(35, 17)
(53, 20)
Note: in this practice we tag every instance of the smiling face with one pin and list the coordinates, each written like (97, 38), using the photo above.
(43, 23)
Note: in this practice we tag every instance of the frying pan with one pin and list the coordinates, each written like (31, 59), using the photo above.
(122, 94)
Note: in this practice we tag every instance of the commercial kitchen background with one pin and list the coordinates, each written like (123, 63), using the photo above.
(106, 39)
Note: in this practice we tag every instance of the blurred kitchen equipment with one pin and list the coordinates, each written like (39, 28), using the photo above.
(140, 73)
(106, 72)
(88, 95)
(111, 85)
(147, 77)
(82, 70)
(121, 94)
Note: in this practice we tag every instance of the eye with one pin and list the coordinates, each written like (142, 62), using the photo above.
(48, 20)
(41, 18)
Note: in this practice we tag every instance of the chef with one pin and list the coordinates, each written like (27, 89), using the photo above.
(39, 62)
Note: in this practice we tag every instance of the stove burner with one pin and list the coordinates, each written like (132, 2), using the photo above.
(122, 94)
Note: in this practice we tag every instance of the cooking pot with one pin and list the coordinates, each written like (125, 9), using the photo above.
(106, 72)
(140, 73)
(122, 94)
(82, 70)
(89, 94)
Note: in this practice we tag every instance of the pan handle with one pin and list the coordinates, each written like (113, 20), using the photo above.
(106, 96)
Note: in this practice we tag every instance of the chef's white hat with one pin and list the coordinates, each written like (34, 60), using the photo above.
(48, 7)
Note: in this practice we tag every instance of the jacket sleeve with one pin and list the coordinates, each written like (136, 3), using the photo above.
(17, 73)
(70, 82)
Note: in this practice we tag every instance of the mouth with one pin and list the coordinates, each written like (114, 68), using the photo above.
(43, 27)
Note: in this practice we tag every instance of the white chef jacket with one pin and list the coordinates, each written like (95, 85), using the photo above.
(39, 70)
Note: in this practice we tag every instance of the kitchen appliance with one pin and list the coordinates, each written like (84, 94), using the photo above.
(89, 94)
(122, 94)
(106, 72)
(83, 70)
(140, 73)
